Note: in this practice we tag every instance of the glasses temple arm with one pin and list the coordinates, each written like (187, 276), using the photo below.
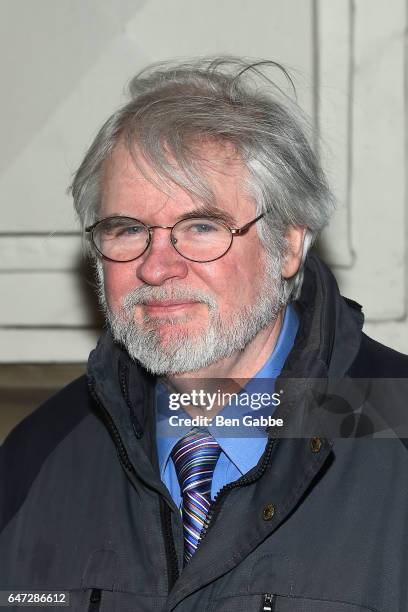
(245, 228)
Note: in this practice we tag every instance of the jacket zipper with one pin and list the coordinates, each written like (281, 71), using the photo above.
(165, 512)
(171, 554)
(138, 431)
(95, 600)
(268, 603)
(241, 482)
(111, 427)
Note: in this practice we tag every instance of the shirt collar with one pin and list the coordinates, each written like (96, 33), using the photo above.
(274, 364)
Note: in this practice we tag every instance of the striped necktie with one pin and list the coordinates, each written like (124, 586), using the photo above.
(194, 458)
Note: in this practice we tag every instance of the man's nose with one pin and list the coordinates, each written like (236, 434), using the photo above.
(161, 261)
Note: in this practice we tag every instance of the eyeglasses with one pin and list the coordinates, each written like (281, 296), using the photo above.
(199, 239)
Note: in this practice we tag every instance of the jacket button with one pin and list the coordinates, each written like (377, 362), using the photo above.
(268, 512)
(315, 444)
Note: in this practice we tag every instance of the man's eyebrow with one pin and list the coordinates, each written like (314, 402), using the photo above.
(210, 211)
(112, 216)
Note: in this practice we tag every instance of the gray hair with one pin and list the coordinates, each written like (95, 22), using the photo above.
(176, 106)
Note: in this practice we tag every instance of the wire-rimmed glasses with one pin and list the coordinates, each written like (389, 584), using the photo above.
(199, 239)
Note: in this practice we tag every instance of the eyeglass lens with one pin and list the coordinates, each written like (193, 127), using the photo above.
(198, 239)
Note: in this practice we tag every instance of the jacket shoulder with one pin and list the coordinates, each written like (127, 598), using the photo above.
(54, 418)
(375, 360)
(30, 443)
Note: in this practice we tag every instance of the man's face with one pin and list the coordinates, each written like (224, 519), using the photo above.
(173, 314)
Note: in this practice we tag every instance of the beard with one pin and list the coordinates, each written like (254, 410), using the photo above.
(184, 350)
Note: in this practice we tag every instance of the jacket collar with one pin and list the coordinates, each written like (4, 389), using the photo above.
(326, 345)
(329, 334)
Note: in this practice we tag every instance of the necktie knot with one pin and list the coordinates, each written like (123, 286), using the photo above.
(194, 458)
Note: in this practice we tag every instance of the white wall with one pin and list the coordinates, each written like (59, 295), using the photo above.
(64, 66)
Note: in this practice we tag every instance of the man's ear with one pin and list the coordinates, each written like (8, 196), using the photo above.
(295, 237)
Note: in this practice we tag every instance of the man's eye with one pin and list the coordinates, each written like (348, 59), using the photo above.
(135, 229)
(203, 228)
(132, 230)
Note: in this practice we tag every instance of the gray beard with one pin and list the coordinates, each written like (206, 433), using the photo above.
(184, 350)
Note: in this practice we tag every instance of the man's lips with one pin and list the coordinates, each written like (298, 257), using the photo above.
(168, 305)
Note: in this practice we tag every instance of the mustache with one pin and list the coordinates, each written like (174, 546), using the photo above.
(145, 293)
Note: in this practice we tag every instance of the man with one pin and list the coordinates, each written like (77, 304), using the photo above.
(200, 199)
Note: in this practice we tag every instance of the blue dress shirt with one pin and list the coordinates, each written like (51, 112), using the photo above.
(241, 451)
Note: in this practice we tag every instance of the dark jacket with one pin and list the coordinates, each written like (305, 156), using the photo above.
(319, 524)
